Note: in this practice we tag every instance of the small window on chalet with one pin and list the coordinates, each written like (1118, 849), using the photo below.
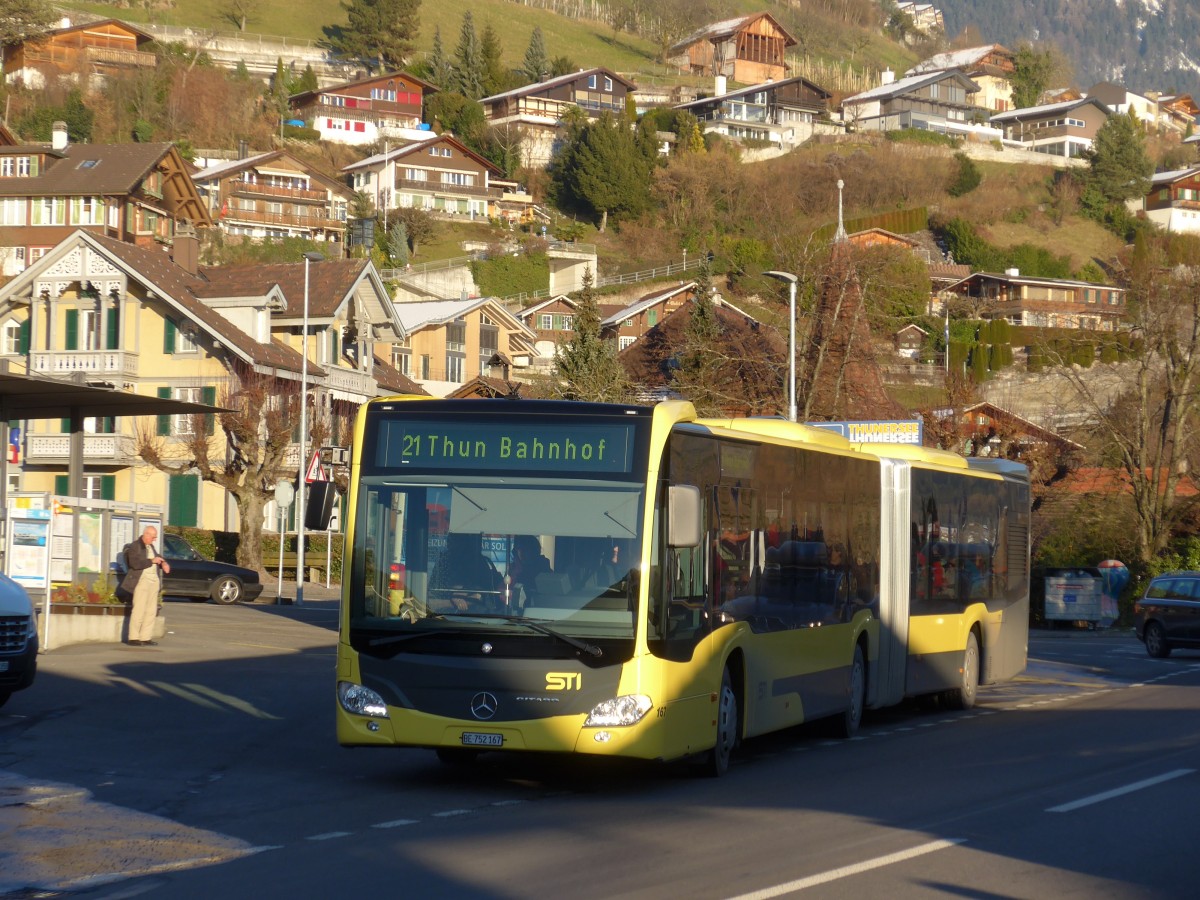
(592, 81)
(607, 83)
(88, 164)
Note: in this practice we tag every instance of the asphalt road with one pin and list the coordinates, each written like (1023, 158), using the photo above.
(207, 766)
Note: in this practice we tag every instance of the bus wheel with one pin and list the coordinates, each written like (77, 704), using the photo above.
(457, 756)
(727, 728)
(963, 696)
(846, 725)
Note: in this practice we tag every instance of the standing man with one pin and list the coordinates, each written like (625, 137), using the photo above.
(145, 570)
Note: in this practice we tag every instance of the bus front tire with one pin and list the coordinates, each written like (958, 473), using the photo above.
(846, 725)
(963, 696)
(727, 728)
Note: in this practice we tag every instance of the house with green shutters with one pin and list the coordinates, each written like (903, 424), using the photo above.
(113, 314)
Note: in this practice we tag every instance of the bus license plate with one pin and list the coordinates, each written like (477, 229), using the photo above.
(479, 739)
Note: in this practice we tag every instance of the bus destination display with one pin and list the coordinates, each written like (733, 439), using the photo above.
(507, 446)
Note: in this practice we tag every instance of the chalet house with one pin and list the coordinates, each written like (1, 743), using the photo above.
(782, 112)
(936, 101)
(448, 343)
(1173, 202)
(486, 387)
(1060, 129)
(86, 54)
(378, 108)
(749, 49)
(133, 318)
(274, 195)
(990, 66)
(629, 323)
(441, 175)
(881, 237)
(909, 340)
(131, 192)
(1176, 112)
(535, 111)
(553, 323)
(1043, 302)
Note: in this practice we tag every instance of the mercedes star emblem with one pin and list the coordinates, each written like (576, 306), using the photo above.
(483, 705)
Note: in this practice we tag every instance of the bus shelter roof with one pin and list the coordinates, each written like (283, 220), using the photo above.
(38, 397)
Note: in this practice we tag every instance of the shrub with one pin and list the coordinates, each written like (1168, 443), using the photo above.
(966, 177)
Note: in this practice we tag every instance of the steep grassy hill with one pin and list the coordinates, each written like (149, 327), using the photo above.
(586, 43)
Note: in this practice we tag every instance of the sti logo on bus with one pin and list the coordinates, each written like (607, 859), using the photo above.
(564, 681)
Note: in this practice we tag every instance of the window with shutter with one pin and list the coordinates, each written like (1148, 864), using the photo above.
(72, 329)
(108, 487)
(61, 484)
(208, 396)
(164, 422)
(113, 340)
(183, 500)
(168, 337)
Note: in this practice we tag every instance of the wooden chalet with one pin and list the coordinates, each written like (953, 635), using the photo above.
(749, 49)
(537, 109)
(382, 107)
(87, 52)
(135, 193)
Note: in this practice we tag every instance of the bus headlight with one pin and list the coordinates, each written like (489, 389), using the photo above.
(627, 709)
(360, 700)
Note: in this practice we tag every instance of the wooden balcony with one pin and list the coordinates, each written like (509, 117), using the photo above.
(64, 363)
(313, 223)
(437, 187)
(250, 189)
(110, 449)
(65, 56)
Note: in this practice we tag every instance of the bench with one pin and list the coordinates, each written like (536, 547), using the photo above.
(315, 563)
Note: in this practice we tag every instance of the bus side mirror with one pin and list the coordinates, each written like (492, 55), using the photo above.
(683, 510)
(318, 507)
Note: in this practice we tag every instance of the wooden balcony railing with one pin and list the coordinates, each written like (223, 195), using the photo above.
(252, 189)
(295, 221)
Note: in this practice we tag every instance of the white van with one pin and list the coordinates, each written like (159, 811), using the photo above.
(18, 639)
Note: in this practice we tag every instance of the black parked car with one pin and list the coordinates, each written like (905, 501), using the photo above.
(1168, 614)
(199, 579)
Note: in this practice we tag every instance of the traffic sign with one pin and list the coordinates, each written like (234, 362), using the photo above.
(314, 472)
(284, 494)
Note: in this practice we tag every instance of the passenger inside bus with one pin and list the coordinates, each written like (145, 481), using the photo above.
(528, 563)
(463, 578)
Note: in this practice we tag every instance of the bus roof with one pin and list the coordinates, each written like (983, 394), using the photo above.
(779, 429)
(915, 454)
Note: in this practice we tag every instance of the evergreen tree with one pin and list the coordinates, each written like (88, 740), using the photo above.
(305, 83)
(537, 64)
(603, 169)
(495, 78)
(468, 58)
(1119, 167)
(966, 176)
(587, 364)
(381, 30)
(440, 70)
(398, 245)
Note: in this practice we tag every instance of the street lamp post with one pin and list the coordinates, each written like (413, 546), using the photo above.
(791, 283)
(300, 493)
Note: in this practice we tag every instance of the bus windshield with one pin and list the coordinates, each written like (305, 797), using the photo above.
(472, 553)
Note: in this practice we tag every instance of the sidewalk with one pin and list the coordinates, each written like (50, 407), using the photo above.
(313, 591)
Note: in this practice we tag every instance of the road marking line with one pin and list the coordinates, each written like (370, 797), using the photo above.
(845, 871)
(229, 700)
(395, 823)
(1117, 792)
(329, 836)
(185, 694)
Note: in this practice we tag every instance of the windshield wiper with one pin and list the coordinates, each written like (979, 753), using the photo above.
(584, 646)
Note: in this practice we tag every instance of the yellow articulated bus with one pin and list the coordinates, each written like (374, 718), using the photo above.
(635, 581)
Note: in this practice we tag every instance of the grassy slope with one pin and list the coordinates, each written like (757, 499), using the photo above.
(586, 43)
